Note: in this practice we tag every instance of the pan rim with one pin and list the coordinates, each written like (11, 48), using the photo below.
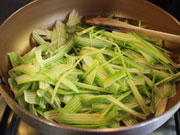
(178, 22)
(17, 11)
(66, 127)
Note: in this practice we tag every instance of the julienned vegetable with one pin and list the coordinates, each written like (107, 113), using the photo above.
(91, 78)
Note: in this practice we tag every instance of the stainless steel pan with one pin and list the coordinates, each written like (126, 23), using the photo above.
(14, 36)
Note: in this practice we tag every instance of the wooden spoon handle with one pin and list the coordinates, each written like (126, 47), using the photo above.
(119, 25)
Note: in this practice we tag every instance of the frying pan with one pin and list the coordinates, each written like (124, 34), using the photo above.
(16, 30)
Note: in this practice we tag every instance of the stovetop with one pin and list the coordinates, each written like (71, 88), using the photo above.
(11, 124)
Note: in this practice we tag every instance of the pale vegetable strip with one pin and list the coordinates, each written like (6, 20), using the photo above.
(127, 109)
(109, 107)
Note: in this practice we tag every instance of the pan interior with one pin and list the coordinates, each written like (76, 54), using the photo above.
(15, 32)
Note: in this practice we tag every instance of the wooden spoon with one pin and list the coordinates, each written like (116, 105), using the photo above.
(122, 26)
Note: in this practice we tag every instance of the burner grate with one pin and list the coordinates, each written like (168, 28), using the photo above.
(177, 121)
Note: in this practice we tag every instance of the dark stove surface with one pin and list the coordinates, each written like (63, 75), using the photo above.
(10, 124)
(7, 7)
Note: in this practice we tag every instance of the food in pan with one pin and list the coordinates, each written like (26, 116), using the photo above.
(89, 77)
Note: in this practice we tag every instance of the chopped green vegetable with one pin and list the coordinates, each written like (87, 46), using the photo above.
(73, 106)
(89, 77)
(83, 41)
(113, 78)
(30, 96)
(125, 108)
